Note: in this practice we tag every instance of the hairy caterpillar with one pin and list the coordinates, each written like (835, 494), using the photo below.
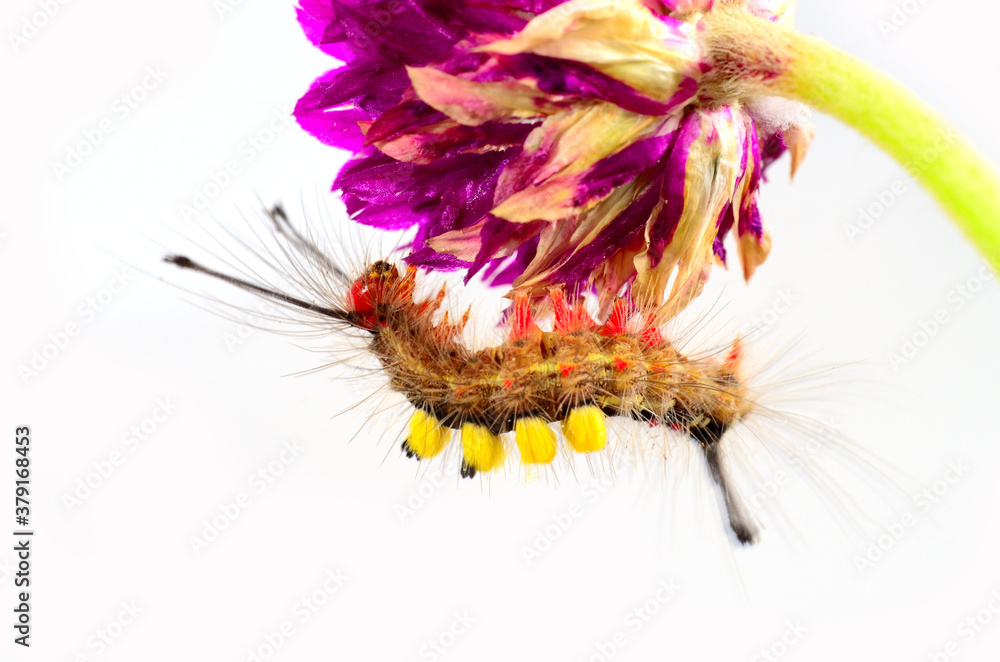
(522, 392)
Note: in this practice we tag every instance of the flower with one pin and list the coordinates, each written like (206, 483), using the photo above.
(545, 143)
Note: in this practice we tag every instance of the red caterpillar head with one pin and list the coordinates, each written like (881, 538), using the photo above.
(378, 290)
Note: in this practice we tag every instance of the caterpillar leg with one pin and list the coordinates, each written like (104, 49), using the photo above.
(585, 429)
(536, 440)
(482, 450)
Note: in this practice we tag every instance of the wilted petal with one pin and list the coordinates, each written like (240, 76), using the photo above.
(601, 248)
(620, 38)
(798, 138)
(464, 244)
(780, 11)
(753, 249)
(681, 236)
(543, 182)
(472, 103)
(687, 6)
(784, 125)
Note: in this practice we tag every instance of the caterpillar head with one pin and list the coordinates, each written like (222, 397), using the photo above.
(378, 291)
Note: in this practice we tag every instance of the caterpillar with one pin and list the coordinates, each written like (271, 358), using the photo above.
(536, 384)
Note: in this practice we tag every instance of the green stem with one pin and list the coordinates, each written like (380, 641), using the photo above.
(836, 83)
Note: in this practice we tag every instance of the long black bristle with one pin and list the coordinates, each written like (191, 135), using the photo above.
(185, 262)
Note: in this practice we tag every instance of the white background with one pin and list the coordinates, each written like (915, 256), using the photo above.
(336, 506)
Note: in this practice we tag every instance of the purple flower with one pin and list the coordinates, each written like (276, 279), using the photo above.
(548, 143)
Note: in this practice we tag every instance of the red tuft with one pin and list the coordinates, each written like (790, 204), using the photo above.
(523, 321)
(569, 318)
(563, 314)
(651, 335)
(617, 320)
(735, 353)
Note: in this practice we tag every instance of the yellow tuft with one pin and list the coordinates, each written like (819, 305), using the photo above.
(585, 429)
(483, 450)
(427, 436)
(536, 440)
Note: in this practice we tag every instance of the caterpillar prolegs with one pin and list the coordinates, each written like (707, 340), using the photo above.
(536, 383)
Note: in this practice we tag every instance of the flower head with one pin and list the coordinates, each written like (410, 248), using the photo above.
(547, 143)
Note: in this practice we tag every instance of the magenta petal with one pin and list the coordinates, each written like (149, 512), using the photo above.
(751, 222)
(369, 88)
(723, 228)
(450, 194)
(661, 230)
(339, 99)
(338, 128)
(568, 77)
(497, 233)
(522, 258)
(622, 231)
(617, 169)
(317, 17)
(771, 149)
(489, 137)
(408, 32)
(404, 118)
(429, 259)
